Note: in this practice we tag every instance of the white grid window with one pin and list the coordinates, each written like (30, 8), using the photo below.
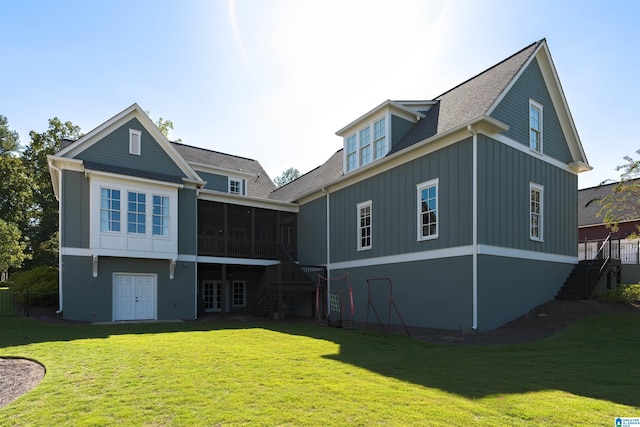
(109, 209)
(379, 143)
(235, 186)
(136, 213)
(364, 226)
(239, 294)
(365, 146)
(536, 210)
(428, 210)
(535, 126)
(160, 216)
(352, 155)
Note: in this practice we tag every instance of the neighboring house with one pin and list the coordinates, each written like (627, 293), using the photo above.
(468, 202)
(592, 229)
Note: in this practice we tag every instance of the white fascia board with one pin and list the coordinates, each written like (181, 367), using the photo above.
(523, 254)
(218, 170)
(376, 111)
(255, 202)
(552, 81)
(487, 124)
(134, 111)
(120, 253)
(128, 178)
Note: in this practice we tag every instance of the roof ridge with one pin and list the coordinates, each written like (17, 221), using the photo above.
(212, 151)
(490, 68)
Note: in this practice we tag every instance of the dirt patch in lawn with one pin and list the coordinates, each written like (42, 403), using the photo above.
(18, 376)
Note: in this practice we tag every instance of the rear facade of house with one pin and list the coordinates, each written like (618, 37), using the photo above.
(467, 202)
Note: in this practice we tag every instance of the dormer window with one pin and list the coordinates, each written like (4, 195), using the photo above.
(235, 186)
(135, 137)
(379, 140)
(361, 149)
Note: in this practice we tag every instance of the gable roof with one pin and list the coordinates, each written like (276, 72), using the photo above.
(589, 205)
(72, 149)
(216, 162)
(469, 100)
(467, 103)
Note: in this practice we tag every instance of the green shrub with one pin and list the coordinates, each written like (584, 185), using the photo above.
(627, 294)
(39, 279)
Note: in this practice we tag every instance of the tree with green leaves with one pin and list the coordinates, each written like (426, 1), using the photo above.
(45, 206)
(12, 247)
(9, 141)
(623, 203)
(164, 126)
(286, 177)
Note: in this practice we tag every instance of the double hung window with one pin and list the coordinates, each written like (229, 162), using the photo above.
(364, 225)
(536, 211)
(109, 209)
(535, 126)
(379, 143)
(136, 215)
(428, 210)
(365, 146)
(160, 216)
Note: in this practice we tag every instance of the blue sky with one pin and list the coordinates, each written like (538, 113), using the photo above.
(274, 80)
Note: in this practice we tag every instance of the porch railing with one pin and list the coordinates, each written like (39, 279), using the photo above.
(241, 248)
(628, 252)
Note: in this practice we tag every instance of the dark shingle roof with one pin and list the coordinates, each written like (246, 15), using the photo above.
(312, 180)
(468, 100)
(589, 205)
(465, 102)
(261, 186)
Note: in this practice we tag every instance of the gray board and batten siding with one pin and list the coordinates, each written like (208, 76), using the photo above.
(113, 150)
(433, 293)
(399, 128)
(215, 181)
(504, 175)
(90, 299)
(393, 194)
(514, 111)
(312, 232)
(74, 202)
(187, 222)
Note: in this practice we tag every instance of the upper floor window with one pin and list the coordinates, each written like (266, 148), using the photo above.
(379, 143)
(135, 141)
(109, 209)
(136, 213)
(428, 210)
(365, 146)
(535, 126)
(364, 225)
(352, 159)
(160, 216)
(536, 199)
(235, 186)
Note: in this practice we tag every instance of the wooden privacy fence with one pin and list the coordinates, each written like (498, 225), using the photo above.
(28, 303)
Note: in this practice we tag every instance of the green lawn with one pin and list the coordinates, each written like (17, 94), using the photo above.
(293, 374)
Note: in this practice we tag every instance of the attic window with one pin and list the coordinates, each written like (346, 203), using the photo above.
(535, 126)
(135, 137)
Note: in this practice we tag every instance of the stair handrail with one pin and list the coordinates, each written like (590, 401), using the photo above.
(599, 255)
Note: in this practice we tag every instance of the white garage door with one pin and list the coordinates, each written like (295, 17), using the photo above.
(134, 296)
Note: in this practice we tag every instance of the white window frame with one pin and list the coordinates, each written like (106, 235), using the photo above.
(353, 155)
(109, 210)
(165, 220)
(540, 215)
(419, 187)
(233, 293)
(533, 105)
(137, 203)
(352, 152)
(380, 139)
(240, 182)
(360, 207)
(135, 142)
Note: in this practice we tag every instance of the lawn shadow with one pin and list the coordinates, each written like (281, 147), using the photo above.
(596, 358)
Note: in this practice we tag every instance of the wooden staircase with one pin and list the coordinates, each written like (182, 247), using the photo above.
(583, 281)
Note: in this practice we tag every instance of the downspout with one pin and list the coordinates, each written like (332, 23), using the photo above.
(59, 311)
(328, 248)
(474, 190)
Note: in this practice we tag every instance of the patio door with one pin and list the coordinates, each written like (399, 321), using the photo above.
(212, 295)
